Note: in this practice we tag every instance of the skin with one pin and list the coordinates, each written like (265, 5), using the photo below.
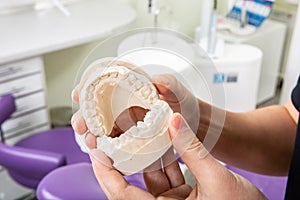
(264, 139)
(261, 141)
(169, 183)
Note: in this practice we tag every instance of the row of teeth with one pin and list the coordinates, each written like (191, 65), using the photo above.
(114, 75)
(155, 124)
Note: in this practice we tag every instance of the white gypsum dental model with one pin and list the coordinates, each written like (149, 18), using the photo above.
(107, 89)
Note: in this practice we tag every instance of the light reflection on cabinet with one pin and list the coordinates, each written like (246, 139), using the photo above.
(25, 80)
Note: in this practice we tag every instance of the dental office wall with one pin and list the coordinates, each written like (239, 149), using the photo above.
(293, 68)
(286, 13)
(61, 67)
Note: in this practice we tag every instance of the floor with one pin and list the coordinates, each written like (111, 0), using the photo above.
(9, 190)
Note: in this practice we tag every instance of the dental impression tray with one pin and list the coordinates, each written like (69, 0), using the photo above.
(107, 88)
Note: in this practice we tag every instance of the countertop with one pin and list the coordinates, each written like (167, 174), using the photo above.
(32, 33)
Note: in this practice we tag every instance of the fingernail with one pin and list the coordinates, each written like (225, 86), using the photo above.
(161, 80)
(176, 125)
(73, 119)
(178, 122)
(98, 156)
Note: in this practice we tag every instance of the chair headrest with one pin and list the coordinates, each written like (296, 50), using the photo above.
(7, 107)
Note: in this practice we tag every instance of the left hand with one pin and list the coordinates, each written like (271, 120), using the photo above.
(160, 183)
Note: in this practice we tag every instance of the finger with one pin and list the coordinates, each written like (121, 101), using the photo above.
(75, 95)
(179, 98)
(78, 123)
(203, 166)
(111, 181)
(90, 141)
(170, 88)
(155, 179)
(180, 192)
(172, 169)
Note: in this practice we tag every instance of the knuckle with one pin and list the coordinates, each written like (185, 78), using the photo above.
(161, 198)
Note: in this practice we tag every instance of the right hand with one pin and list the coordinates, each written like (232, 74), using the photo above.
(170, 90)
(179, 98)
(214, 181)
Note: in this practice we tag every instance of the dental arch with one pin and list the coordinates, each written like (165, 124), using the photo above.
(108, 88)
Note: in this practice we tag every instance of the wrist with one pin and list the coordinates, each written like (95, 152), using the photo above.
(204, 119)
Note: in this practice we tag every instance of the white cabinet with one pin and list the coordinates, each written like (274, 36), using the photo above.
(19, 69)
(270, 39)
(26, 81)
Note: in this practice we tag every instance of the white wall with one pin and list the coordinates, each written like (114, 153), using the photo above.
(293, 63)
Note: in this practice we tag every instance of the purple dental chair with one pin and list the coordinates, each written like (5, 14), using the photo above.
(32, 158)
(77, 182)
(273, 187)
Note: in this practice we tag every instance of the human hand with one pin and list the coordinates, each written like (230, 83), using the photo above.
(214, 181)
(179, 98)
(168, 182)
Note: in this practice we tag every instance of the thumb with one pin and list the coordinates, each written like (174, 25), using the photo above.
(202, 165)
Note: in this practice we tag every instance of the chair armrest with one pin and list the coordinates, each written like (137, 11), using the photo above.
(29, 161)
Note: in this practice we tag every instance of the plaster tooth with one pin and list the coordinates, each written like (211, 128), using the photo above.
(90, 112)
(96, 131)
(88, 105)
(95, 82)
(105, 143)
(125, 75)
(116, 142)
(92, 122)
(100, 120)
(140, 93)
(153, 96)
(150, 101)
(138, 85)
(109, 139)
(89, 120)
(89, 96)
(114, 75)
(153, 100)
(145, 92)
(123, 139)
(141, 125)
(122, 71)
(89, 89)
(99, 131)
(133, 131)
(153, 113)
(102, 131)
(131, 78)
(148, 121)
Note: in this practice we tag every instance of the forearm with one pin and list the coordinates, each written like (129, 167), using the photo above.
(261, 141)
